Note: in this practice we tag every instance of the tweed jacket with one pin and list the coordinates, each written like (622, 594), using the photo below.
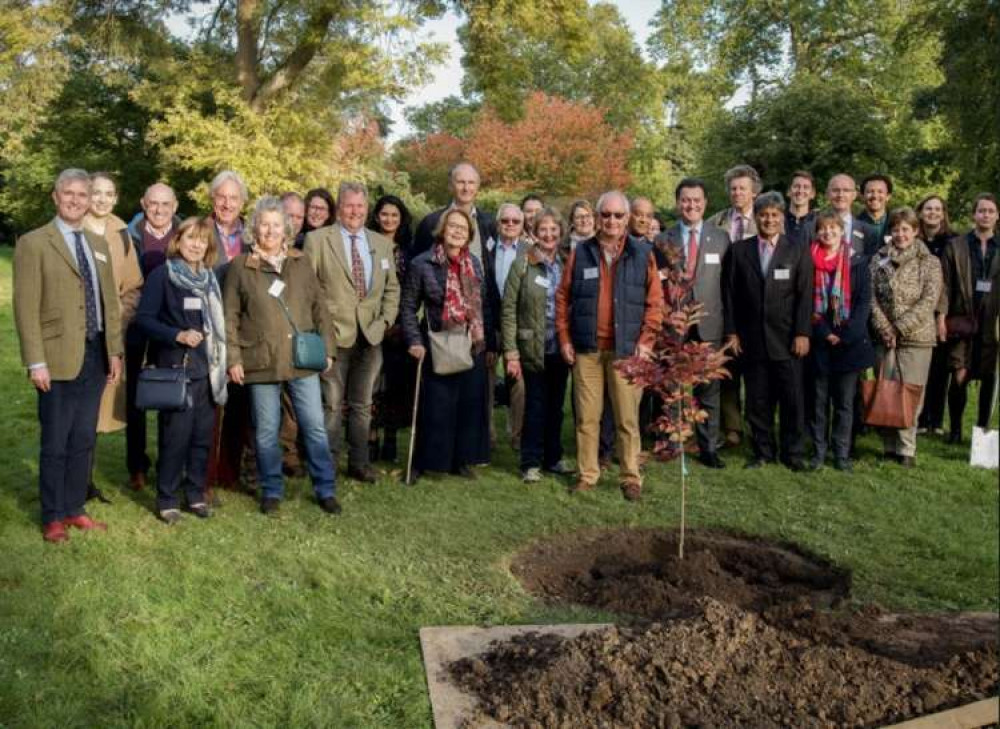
(370, 315)
(906, 285)
(258, 334)
(49, 301)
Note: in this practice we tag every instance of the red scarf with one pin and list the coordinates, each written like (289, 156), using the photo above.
(831, 283)
(462, 299)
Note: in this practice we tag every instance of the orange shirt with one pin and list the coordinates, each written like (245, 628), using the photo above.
(652, 318)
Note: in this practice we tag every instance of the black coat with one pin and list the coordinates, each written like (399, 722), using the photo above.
(855, 351)
(767, 311)
(161, 316)
(425, 286)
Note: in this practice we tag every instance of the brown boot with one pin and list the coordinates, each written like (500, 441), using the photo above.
(631, 490)
(137, 481)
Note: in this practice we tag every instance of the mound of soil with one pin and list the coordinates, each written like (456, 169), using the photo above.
(722, 666)
(637, 572)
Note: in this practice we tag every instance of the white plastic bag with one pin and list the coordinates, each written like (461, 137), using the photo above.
(985, 451)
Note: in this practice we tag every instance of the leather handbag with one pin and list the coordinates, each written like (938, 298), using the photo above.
(961, 326)
(451, 351)
(889, 402)
(308, 348)
(163, 388)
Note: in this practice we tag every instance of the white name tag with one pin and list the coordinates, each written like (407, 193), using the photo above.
(542, 281)
(192, 303)
(276, 288)
(781, 274)
(385, 264)
(712, 258)
(858, 234)
(664, 275)
(589, 273)
(984, 287)
(884, 261)
(100, 257)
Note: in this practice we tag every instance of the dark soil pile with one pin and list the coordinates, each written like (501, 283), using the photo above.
(637, 572)
(721, 667)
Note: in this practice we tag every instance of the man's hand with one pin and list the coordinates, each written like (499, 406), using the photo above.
(190, 338)
(40, 379)
(800, 346)
(115, 370)
(733, 342)
(514, 368)
(236, 374)
(568, 354)
(417, 351)
(961, 375)
(644, 351)
(833, 339)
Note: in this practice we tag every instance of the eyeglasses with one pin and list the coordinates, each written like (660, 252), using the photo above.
(510, 221)
(457, 226)
(605, 214)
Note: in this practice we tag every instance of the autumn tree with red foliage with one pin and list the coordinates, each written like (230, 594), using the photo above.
(676, 366)
(557, 148)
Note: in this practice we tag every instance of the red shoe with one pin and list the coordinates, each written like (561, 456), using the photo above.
(84, 523)
(55, 531)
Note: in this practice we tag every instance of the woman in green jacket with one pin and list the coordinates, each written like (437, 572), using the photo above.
(531, 347)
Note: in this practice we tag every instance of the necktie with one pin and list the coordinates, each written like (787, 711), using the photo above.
(358, 269)
(692, 254)
(738, 228)
(89, 295)
(765, 257)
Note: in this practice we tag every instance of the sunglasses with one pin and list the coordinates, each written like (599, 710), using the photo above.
(605, 214)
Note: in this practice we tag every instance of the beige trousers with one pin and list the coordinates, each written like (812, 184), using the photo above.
(591, 374)
(914, 364)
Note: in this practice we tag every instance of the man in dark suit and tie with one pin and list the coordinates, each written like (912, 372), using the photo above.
(67, 315)
(703, 248)
(841, 192)
(768, 305)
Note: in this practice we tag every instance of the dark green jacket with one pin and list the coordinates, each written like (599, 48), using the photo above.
(523, 318)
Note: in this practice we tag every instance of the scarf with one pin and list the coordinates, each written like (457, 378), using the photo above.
(205, 286)
(831, 284)
(276, 261)
(462, 298)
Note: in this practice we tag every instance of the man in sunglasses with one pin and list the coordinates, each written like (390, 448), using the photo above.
(608, 306)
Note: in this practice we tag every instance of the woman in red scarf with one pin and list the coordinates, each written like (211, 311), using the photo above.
(453, 430)
(840, 349)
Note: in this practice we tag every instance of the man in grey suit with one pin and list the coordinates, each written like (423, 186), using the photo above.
(702, 247)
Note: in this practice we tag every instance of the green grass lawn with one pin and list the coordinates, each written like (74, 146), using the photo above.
(311, 621)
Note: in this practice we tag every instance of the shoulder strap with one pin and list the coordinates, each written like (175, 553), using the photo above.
(284, 308)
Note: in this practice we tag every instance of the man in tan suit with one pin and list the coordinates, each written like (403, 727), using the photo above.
(357, 271)
(67, 315)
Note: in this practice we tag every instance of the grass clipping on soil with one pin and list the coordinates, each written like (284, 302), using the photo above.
(722, 667)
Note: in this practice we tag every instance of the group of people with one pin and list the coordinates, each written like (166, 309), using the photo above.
(319, 309)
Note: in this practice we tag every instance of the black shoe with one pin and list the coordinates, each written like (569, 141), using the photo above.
(843, 464)
(755, 463)
(170, 516)
(892, 458)
(269, 505)
(365, 474)
(330, 505)
(711, 460)
(466, 472)
(796, 465)
(200, 510)
(954, 437)
(816, 462)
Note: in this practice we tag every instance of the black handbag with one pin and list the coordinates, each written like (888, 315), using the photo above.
(163, 388)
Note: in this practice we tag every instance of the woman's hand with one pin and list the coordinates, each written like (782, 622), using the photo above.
(236, 374)
(417, 351)
(190, 338)
(961, 375)
(329, 364)
(889, 340)
(833, 339)
(514, 368)
(942, 329)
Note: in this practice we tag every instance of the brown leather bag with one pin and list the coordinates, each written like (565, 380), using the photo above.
(961, 326)
(890, 402)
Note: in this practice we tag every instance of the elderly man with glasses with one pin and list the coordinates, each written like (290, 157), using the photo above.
(608, 306)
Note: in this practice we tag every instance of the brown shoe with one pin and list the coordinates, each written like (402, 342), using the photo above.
(365, 474)
(733, 439)
(631, 490)
(137, 481)
(582, 486)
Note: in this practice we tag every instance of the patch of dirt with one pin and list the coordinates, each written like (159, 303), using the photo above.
(637, 572)
(722, 666)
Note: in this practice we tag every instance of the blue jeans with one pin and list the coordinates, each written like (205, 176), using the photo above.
(308, 405)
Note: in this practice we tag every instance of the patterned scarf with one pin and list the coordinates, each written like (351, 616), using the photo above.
(277, 260)
(462, 299)
(205, 286)
(831, 283)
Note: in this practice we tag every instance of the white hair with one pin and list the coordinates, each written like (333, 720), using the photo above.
(268, 204)
(228, 176)
(605, 197)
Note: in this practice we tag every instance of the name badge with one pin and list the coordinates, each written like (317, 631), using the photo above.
(589, 273)
(884, 261)
(542, 281)
(100, 257)
(385, 264)
(984, 287)
(664, 275)
(276, 288)
(712, 259)
(781, 274)
(192, 303)
(858, 234)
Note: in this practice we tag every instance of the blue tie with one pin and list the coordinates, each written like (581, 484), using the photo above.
(89, 295)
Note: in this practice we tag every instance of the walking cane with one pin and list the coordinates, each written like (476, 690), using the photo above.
(413, 424)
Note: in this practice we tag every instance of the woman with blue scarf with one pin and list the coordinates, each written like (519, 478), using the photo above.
(181, 314)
